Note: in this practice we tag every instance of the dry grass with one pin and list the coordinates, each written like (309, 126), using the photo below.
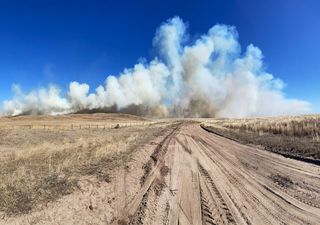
(296, 126)
(296, 137)
(38, 166)
(73, 121)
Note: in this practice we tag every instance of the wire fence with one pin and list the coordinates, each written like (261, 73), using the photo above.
(74, 126)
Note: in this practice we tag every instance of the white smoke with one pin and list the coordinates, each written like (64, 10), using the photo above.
(210, 77)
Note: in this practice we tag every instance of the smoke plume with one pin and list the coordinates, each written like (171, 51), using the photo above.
(209, 77)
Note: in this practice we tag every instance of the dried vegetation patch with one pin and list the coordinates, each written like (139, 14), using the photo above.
(296, 137)
(294, 126)
(38, 166)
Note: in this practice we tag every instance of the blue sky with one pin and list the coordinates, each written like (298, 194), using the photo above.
(48, 41)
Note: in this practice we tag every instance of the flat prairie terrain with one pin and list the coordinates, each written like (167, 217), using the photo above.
(120, 169)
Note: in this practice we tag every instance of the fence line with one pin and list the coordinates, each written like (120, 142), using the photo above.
(75, 126)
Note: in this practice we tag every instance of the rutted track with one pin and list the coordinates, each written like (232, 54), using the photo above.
(214, 180)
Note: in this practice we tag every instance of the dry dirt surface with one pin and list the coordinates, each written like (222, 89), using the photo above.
(191, 176)
(212, 180)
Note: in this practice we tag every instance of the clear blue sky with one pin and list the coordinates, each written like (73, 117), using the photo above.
(49, 41)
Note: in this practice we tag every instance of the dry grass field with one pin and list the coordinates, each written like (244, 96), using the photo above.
(121, 169)
(297, 126)
(43, 157)
(295, 136)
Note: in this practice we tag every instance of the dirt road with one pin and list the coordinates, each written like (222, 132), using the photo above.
(196, 177)
(186, 175)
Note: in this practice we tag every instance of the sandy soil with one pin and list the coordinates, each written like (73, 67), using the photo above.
(191, 176)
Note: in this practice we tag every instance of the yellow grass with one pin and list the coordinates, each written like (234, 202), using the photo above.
(42, 163)
(297, 126)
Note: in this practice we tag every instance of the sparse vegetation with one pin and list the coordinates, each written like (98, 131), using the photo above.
(38, 165)
(296, 137)
(297, 126)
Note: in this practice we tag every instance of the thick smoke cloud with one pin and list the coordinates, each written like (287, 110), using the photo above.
(210, 77)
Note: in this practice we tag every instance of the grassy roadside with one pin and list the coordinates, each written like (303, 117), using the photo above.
(38, 166)
(301, 148)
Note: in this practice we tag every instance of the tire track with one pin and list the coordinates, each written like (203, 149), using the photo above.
(212, 181)
(221, 206)
(135, 211)
(252, 198)
(206, 209)
(235, 175)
